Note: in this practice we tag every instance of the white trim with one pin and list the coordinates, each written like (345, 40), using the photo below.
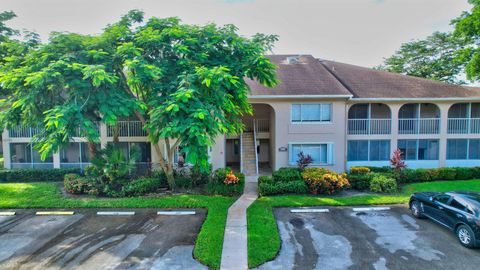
(299, 96)
(54, 213)
(319, 122)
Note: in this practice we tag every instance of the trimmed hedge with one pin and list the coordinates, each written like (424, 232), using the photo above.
(141, 187)
(291, 187)
(286, 175)
(35, 175)
(381, 183)
(425, 175)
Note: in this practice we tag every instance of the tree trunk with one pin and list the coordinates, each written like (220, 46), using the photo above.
(92, 149)
(116, 131)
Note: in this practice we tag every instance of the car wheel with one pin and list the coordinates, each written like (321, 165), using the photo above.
(466, 236)
(416, 209)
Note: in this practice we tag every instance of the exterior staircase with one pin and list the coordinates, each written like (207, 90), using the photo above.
(249, 157)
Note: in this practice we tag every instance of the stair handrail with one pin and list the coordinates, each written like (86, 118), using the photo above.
(255, 146)
(241, 152)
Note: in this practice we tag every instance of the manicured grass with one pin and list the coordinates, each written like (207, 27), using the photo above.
(208, 247)
(264, 240)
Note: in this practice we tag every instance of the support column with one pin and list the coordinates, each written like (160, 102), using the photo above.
(103, 135)
(6, 149)
(56, 160)
(394, 109)
(442, 154)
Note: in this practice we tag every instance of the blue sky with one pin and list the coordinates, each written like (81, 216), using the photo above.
(359, 32)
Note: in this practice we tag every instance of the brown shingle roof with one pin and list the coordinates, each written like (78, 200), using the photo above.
(369, 83)
(311, 76)
(307, 77)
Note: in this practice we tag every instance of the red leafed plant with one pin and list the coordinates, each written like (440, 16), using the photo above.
(231, 179)
(396, 161)
(303, 161)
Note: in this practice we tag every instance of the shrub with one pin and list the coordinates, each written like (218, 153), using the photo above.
(76, 184)
(384, 169)
(231, 179)
(447, 173)
(265, 179)
(141, 186)
(396, 161)
(286, 175)
(274, 188)
(464, 173)
(160, 175)
(219, 175)
(359, 170)
(323, 181)
(303, 161)
(381, 183)
(360, 181)
(220, 188)
(35, 175)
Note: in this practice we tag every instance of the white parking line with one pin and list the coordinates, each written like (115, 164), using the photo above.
(364, 209)
(115, 213)
(54, 213)
(3, 214)
(176, 213)
(309, 210)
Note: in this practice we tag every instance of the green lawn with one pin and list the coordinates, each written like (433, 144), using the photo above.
(264, 240)
(208, 247)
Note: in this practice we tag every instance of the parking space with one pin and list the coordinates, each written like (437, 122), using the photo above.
(390, 238)
(87, 240)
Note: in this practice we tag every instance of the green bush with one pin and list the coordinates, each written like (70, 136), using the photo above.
(384, 169)
(286, 175)
(141, 187)
(447, 173)
(265, 179)
(217, 187)
(219, 175)
(274, 188)
(360, 181)
(381, 183)
(35, 175)
(359, 170)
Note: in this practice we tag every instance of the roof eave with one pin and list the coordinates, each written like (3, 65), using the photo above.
(300, 96)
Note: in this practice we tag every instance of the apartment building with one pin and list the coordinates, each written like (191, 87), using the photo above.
(340, 114)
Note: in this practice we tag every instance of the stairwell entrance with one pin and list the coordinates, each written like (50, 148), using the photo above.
(252, 151)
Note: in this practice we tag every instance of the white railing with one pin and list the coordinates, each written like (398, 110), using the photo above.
(369, 126)
(463, 126)
(127, 129)
(31, 165)
(261, 125)
(255, 146)
(23, 132)
(419, 126)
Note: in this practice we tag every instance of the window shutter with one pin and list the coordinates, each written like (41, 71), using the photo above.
(330, 154)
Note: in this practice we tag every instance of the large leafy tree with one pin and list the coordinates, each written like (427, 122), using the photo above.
(185, 83)
(435, 57)
(467, 26)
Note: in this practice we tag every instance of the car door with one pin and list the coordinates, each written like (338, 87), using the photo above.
(436, 209)
(457, 210)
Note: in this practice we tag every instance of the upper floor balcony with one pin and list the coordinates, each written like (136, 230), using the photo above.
(464, 118)
(127, 129)
(369, 119)
(419, 118)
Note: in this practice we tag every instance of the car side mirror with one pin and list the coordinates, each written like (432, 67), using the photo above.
(431, 198)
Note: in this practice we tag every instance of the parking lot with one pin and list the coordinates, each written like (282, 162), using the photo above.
(86, 240)
(388, 239)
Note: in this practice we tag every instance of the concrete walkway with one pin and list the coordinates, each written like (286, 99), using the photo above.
(235, 253)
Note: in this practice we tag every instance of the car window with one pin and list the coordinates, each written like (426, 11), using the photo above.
(459, 205)
(442, 198)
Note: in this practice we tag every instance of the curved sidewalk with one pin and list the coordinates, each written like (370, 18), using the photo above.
(235, 250)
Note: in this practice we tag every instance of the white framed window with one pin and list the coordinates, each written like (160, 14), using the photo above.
(321, 153)
(419, 149)
(311, 113)
(368, 150)
(463, 149)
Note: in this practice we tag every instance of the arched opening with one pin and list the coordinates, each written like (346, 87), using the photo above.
(419, 118)
(369, 118)
(464, 118)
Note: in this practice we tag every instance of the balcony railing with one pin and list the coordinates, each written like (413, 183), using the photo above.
(23, 132)
(369, 126)
(419, 126)
(262, 125)
(127, 129)
(463, 126)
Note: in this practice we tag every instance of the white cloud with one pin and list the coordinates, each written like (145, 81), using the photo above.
(359, 32)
